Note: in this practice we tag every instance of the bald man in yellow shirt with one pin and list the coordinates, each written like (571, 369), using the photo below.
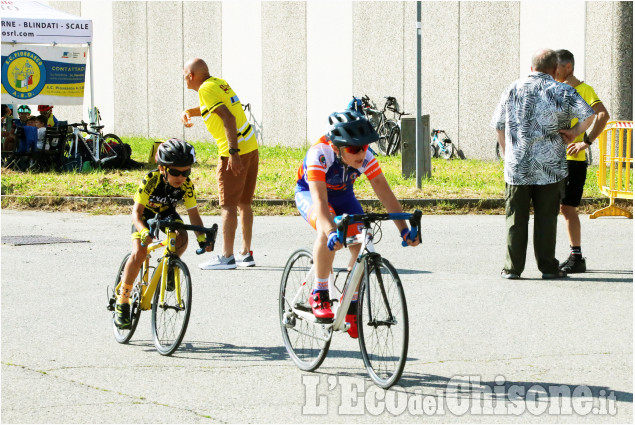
(237, 171)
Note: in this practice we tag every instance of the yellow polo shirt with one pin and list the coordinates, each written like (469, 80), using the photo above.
(213, 93)
(588, 94)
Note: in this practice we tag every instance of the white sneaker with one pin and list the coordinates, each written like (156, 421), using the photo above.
(246, 260)
(218, 262)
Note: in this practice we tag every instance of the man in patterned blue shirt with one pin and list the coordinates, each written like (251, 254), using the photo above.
(532, 123)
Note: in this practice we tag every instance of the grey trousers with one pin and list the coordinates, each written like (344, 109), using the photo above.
(546, 202)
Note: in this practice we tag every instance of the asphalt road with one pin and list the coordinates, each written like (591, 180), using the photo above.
(533, 350)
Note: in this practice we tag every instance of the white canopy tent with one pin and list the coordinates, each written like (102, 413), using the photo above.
(30, 24)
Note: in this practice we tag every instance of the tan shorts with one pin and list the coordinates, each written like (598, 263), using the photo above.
(235, 190)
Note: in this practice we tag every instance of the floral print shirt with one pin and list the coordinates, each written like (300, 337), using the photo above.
(531, 111)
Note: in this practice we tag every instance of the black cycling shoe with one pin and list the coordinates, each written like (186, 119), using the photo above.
(122, 316)
(574, 264)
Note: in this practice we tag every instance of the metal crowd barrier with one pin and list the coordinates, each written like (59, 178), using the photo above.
(615, 178)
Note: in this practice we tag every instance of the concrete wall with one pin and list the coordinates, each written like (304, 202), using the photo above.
(202, 37)
(295, 62)
(284, 73)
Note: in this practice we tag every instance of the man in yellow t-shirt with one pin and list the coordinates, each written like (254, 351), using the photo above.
(576, 160)
(237, 169)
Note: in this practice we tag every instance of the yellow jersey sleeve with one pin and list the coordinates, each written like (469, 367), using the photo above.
(588, 94)
(147, 186)
(213, 93)
(189, 198)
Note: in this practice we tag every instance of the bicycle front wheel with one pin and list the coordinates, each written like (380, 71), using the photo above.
(122, 336)
(169, 321)
(449, 150)
(306, 342)
(382, 318)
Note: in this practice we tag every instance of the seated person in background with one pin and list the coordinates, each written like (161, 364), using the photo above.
(8, 139)
(24, 112)
(47, 111)
(40, 124)
(28, 141)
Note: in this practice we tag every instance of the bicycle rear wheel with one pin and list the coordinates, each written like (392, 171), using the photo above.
(382, 318)
(169, 321)
(122, 336)
(385, 132)
(307, 343)
(394, 141)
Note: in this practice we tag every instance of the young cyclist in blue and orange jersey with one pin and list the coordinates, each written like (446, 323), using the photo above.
(158, 193)
(324, 189)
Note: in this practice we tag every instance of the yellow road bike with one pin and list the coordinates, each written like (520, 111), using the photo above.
(172, 302)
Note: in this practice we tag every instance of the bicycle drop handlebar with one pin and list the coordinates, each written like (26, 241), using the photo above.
(343, 221)
(210, 233)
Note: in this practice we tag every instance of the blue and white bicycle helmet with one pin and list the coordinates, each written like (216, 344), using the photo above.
(350, 128)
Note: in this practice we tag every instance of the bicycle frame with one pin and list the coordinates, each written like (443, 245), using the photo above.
(148, 287)
(344, 298)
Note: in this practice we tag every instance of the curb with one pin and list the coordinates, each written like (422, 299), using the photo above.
(459, 202)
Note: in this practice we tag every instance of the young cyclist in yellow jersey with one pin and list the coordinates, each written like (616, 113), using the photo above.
(237, 170)
(159, 193)
(576, 160)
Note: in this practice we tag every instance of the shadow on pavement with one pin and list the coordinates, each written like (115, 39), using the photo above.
(467, 385)
(219, 351)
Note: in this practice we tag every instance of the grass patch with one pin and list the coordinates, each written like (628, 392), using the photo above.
(278, 167)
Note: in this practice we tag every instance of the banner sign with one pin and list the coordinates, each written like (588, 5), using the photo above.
(45, 75)
(33, 22)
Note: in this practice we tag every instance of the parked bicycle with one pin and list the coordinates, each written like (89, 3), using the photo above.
(172, 302)
(95, 147)
(389, 130)
(441, 146)
(252, 120)
(382, 314)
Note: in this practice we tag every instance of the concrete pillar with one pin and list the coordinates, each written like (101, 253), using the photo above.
(284, 84)
(130, 68)
(623, 60)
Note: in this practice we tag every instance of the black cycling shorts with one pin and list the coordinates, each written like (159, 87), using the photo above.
(574, 184)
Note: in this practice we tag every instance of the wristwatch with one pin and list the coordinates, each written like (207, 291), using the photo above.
(586, 139)
(233, 151)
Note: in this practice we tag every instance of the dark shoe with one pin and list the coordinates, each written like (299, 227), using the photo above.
(509, 275)
(559, 275)
(170, 283)
(122, 315)
(574, 264)
(320, 305)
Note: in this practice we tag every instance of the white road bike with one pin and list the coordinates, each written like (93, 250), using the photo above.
(382, 314)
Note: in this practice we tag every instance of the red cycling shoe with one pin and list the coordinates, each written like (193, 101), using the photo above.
(352, 319)
(320, 305)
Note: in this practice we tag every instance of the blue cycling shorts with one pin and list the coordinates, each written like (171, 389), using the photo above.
(346, 202)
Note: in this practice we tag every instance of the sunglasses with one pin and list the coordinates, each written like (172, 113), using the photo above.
(355, 149)
(177, 173)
